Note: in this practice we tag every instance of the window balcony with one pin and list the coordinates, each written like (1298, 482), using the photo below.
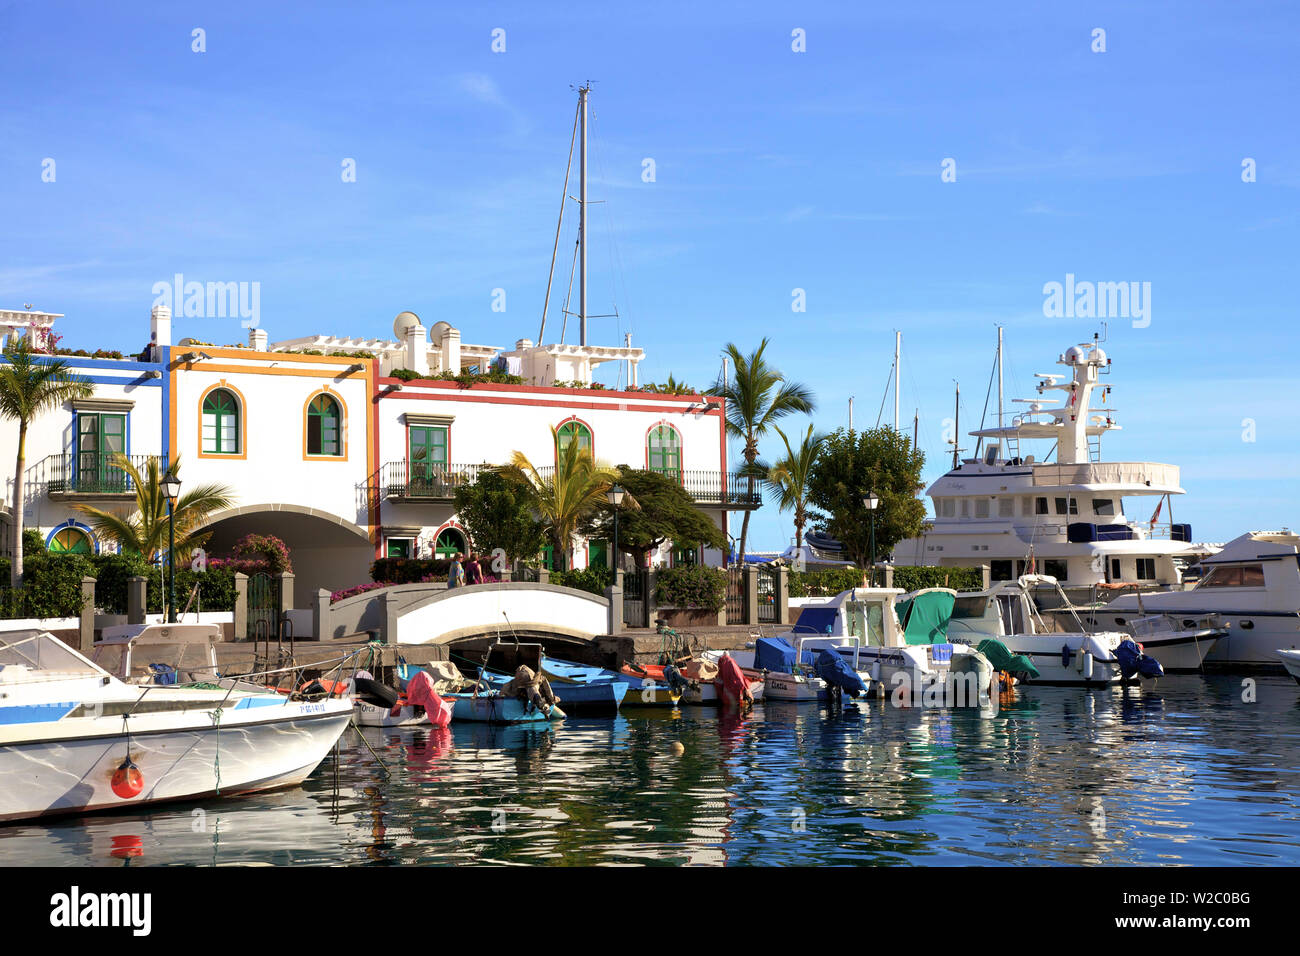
(87, 475)
(400, 481)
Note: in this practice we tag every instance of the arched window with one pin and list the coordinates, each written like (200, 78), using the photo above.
(71, 541)
(664, 451)
(221, 423)
(571, 431)
(324, 426)
(450, 543)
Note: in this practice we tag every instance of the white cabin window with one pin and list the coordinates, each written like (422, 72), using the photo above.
(1103, 507)
(965, 507)
(1067, 506)
(1040, 506)
(946, 507)
(981, 507)
(1006, 507)
(1146, 569)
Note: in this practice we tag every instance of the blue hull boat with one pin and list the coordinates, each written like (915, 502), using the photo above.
(492, 708)
(581, 689)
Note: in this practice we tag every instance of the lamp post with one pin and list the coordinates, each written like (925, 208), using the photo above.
(172, 488)
(615, 496)
(871, 501)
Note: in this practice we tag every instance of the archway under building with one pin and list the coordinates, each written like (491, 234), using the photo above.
(326, 551)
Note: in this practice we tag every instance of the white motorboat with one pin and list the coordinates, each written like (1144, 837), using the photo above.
(899, 644)
(75, 738)
(1006, 612)
(792, 679)
(1252, 586)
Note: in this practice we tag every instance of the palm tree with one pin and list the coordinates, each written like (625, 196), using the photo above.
(757, 396)
(145, 531)
(28, 387)
(788, 478)
(564, 498)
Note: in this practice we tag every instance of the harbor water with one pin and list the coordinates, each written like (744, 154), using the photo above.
(1195, 770)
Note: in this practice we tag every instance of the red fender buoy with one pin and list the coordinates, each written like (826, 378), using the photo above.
(128, 781)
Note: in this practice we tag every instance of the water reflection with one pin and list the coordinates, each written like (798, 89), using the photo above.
(1184, 771)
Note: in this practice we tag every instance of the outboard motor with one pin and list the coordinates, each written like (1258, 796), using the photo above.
(676, 682)
(1133, 661)
(836, 672)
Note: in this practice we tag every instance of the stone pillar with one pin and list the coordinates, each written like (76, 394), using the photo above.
(618, 578)
(986, 576)
(781, 589)
(751, 595)
(543, 575)
(889, 575)
(614, 595)
(506, 574)
(241, 607)
(137, 588)
(321, 625)
(87, 615)
(388, 611)
(286, 590)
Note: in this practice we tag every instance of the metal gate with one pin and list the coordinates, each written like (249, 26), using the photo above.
(263, 607)
(736, 595)
(634, 586)
(766, 596)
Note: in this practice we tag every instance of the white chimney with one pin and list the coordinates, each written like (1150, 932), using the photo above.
(160, 325)
(417, 349)
(451, 350)
(257, 340)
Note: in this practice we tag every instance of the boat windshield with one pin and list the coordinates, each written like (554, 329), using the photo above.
(43, 652)
(154, 663)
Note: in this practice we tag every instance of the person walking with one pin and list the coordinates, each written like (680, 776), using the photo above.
(473, 573)
(455, 573)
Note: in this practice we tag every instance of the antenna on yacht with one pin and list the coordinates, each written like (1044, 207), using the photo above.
(956, 425)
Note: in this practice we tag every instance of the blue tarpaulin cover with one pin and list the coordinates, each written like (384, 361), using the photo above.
(774, 654)
(815, 619)
(835, 671)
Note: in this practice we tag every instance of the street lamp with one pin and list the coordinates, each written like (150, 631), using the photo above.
(615, 496)
(871, 501)
(172, 488)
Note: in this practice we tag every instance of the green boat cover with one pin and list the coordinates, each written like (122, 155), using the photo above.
(925, 617)
(1002, 659)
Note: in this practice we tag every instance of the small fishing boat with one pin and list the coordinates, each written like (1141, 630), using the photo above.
(646, 690)
(491, 707)
(495, 701)
(697, 680)
(791, 673)
(75, 738)
(582, 689)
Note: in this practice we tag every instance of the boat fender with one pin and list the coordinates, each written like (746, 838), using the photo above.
(1086, 657)
(127, 780)
(1065, 655)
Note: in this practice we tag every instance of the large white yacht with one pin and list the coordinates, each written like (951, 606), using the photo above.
(1090, 524)
(1253, 585)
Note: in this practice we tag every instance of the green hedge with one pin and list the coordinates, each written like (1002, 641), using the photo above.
(594, 580)
(832, 581)
(693, 586)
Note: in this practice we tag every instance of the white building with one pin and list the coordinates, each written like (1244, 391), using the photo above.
(350, 449)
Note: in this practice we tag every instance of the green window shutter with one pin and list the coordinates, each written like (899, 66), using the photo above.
(324, 427)
(220, 423)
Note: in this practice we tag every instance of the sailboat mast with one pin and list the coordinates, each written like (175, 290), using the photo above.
(898, 352)
(582, 216)
(999, 380)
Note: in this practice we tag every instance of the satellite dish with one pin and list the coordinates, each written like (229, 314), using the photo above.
(404, 322)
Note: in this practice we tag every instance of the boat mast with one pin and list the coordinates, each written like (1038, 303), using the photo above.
(956, 424)
(999, 382)
(898, 350)
(582, 215)
(850, 413)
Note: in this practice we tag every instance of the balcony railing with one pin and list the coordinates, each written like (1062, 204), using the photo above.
(86, 474)
(400, 480)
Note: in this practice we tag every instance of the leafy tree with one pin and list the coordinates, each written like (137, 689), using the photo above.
(145, 530)
(563, 498)
(28, 387)
(757, 396)
(788, 478)
(852, 463)
(496, 513)
(666, 513)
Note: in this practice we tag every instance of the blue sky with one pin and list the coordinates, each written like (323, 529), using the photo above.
(775, 170)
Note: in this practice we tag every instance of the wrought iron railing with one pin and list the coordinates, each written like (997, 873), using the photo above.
(401, 479)
(87, 474)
